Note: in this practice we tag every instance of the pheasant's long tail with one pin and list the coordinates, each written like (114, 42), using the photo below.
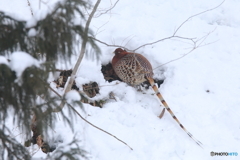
(151, 81)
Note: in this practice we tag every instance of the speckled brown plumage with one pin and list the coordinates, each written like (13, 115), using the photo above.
(134, 68)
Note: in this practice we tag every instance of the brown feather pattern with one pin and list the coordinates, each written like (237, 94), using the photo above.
(134, 69)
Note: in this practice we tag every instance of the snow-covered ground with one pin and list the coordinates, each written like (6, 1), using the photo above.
(202, 88)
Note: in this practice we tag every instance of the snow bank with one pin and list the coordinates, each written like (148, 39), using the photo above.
(202, 88)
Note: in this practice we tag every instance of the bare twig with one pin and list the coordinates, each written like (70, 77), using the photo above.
(57, 70)
(109, 45)
(195, 16)
(173, 36)
(30, 7)
(82, 52)
(107, 9)
(56, 109)
(128, 40)
(87, 120)
(195, 46)
(96, 126)
(104, 11)
(205, 37)
(83, 47)
(167, 38)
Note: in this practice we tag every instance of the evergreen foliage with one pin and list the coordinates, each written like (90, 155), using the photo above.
(55, 38)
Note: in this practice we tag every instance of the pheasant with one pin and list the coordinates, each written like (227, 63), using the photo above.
(134, 68)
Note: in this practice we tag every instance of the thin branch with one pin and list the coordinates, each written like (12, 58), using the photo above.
(109, 45)
(195, 46)
(173, 36)
(97, 32)
(207, 44)
(57, 70)
(177, 58)
(98, 29)
(96, 126)
(87, 120)
(56, 109)
(83, 47)
(205, 37)
(107, 9)
(195, 16)
(167, 38)
(82, 51)
(119, 46)
(128, 40)
(30, 7)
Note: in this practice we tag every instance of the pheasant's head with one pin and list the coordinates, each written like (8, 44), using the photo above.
(119, 53)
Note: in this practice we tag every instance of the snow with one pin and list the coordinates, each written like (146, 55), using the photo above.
(32, 32)
(72, 96)
(20, 61)
(3, 60)
(201, 88)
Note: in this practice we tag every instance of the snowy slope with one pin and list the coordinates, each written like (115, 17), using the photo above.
(202, 88)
